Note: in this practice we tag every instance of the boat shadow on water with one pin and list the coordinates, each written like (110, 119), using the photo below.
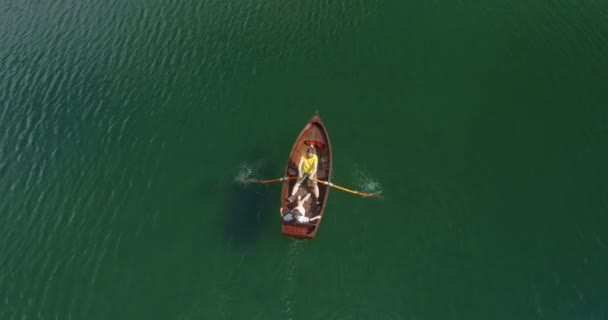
(249, 209)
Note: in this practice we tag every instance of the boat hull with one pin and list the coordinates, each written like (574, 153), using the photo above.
(314, 133)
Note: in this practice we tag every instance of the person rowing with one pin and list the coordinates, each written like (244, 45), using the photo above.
(307, 169)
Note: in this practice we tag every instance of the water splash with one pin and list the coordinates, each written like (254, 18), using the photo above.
(246, 171)
(366, 182)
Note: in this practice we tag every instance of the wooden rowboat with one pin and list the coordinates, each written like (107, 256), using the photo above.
(315, 134)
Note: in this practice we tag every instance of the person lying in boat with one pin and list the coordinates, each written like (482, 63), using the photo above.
(307, 169)
(299, 212)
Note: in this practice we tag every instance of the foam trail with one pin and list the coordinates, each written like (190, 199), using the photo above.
(291, 261)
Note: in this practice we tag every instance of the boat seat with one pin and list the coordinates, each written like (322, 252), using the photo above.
(319, 144)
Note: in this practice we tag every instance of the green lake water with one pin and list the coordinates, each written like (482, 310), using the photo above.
(125, 123)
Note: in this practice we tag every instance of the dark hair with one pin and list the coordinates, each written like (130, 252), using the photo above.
(296, 213)
(310, 149)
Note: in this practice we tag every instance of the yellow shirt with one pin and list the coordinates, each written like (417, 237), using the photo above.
(309, 164)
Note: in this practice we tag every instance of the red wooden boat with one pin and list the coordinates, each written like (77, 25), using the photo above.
(315, 134)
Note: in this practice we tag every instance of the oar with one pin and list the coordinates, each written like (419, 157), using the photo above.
(248, 180)
(363, 194)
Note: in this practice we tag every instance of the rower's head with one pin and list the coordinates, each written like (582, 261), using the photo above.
(310, 151)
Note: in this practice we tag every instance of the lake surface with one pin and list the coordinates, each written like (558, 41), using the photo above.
(124, 125)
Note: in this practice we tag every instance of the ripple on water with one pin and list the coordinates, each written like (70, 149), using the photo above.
(359, 313)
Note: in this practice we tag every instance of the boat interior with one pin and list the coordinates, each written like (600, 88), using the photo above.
(314, 137)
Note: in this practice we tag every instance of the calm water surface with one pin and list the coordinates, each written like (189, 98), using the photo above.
(124, 124)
